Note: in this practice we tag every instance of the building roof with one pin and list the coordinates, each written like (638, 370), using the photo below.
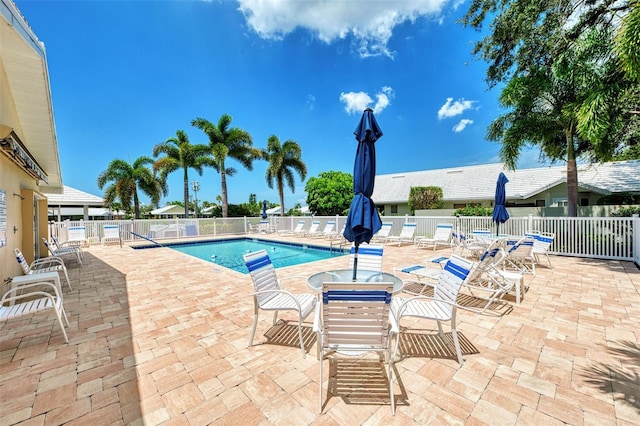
(73, 197)
(479, 182)
(24, 62)
(171, 209)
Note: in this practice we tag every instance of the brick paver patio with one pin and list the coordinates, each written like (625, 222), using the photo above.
(158, 337)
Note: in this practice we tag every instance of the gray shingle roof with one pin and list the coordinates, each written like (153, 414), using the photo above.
(479, 182)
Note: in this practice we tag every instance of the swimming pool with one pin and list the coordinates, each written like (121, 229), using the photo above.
(228, 253)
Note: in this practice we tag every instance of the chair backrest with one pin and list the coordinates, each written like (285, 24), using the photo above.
(76, 233)
(314, 226)
(481, 232)
(443, 232)
(369, 257)
(356, 315)
(299, 226)
(493, 256)
(111, 231)
(328, 227)
(55, 242)
(455, 272)
(543, 240)
(522, 247)
(262, 273)
(385, 229)
(46, 243)
(408, 229)
(22, 261)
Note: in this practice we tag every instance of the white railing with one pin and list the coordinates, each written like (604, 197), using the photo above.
(600, 238)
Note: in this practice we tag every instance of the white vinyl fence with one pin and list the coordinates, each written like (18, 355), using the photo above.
(599, 238)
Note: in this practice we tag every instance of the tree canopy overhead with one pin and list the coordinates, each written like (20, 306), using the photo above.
(564, 88)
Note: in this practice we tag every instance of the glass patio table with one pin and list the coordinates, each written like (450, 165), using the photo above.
(315, 281)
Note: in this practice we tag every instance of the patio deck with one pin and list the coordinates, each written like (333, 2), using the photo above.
(158, 337)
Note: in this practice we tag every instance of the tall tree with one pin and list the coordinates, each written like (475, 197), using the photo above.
(563, 89)
(284, 161)
(126, 179)
(180, 154)
(227, 142)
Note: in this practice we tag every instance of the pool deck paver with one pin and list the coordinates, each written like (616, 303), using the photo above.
(159, 337)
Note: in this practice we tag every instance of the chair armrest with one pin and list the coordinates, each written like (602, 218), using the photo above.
(22, 287)
(317, 318)
(282, 292)
(46, 262)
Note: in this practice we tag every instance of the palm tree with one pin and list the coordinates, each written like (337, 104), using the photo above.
(181, 154)
(226, 142)
(284, 159)
(127, 179)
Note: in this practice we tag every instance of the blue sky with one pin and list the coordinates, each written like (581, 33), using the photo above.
(126, 75)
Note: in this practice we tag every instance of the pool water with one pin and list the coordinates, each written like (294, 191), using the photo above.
(228, 253)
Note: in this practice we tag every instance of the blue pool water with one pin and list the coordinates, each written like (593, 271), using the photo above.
(228, 253)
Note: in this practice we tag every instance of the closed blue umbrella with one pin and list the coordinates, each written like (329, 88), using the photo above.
(363, 220)
(264, 209)
(500, 213)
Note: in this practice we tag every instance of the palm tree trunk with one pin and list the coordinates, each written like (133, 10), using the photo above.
(572, 177)
(281, 193)
(136, 204)
(225, 203)
(186, 194)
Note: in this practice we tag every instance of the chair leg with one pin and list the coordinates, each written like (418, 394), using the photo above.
(275, 317)
(255, 323)
(454, 334)
(393, 399)
(66, 339)
(304, 353)
(67, 277)
(320, 385)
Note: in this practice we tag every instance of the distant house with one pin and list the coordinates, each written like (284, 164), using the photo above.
(74, 204)
(533, 187)
(277, 211)
(168, 211)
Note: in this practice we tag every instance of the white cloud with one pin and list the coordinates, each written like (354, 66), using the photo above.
(356, 102)
(462, 124)
(451, 109)
(370, 23)
(311, 102)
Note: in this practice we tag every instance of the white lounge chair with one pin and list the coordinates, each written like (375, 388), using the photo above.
(384, 232)
(329, 229)
(32, 300)
(354, 319)
(296, 231)
(313, 229)
(111, 234)
(64, 251)
(442, 306)
(269, 295)
(39, 266)
(442, 236)
(520, 255)
(60, 246)
(406, 235)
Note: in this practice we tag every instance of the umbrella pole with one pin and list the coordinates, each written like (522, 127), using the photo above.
(355, 262)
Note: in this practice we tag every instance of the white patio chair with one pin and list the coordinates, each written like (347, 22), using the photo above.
(31, 301)
(441, 306)
(60, 246)
(520, 255)
(296, 231)
(45, 264)
(489, 282)
(269, 296)
(442, 236)
(313, 229)
(369, 257)
(77, 235)
(354, 319)
(329, 229)
(384, 232)
(541, 245)
(406, 235)
(110, 234)
(63, 251)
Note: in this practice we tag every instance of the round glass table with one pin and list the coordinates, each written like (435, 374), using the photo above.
(346, 276)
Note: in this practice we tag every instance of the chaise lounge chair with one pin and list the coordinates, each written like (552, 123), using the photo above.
(442, 236)
(406, 235)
